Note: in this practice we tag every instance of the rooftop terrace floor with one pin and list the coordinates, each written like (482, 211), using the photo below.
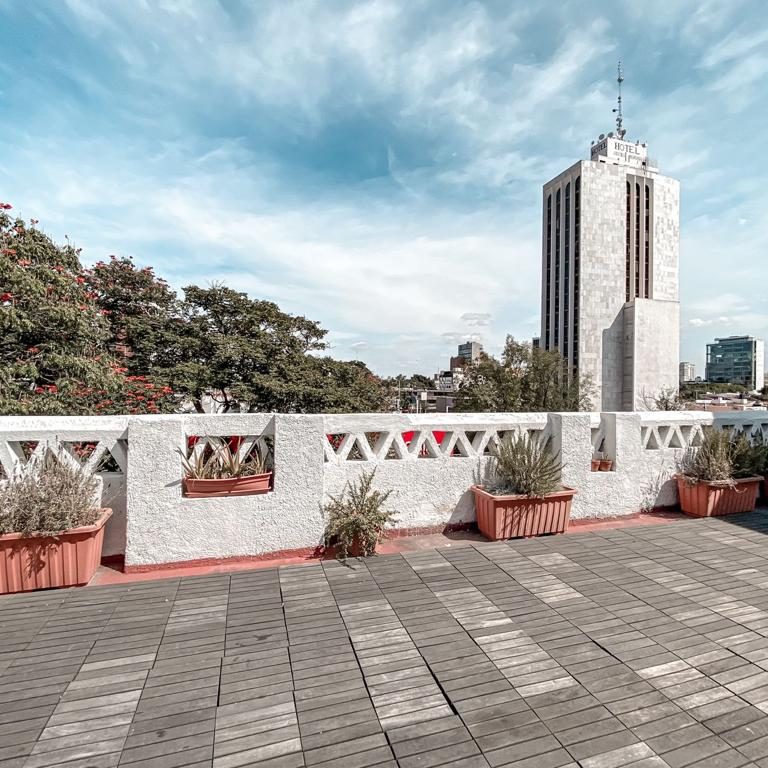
(642, 646)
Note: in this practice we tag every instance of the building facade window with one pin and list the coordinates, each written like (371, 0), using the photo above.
(647, 242)
(637, 240)
(576, 268)
(557, 270)
(567, 272)
(628, 234)
(548, 281)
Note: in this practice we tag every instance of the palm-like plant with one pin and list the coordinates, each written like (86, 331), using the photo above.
(219, 460)
(521, 465)
(722, 459)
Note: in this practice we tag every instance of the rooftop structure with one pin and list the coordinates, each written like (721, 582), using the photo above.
(687, 372)
(610, 241)
(737, 360)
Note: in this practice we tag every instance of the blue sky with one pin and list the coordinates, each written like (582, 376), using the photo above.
(377, 165)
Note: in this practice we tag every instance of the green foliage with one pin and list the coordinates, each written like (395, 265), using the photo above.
(138, 307)
(117, 339)
(666, 399)
(695, 390)
(521, 465)
(357, 517)
(252, 356)
(52, 332)
(221, 460)
(47, 496)
(720, 459)
(523, 380)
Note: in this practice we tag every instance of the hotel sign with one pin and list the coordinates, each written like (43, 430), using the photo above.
(620, 152)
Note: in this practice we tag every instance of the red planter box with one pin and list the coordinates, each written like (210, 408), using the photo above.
(41, 562)
(507, 517)
(713, 499)
(230, 486)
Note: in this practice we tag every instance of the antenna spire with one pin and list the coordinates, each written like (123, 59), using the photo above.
(620, 129)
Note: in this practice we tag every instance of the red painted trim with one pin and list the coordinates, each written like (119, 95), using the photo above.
(305, 552)
(659, 514)
(399, 533)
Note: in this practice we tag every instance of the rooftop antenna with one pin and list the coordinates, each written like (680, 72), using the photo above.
(620, 130)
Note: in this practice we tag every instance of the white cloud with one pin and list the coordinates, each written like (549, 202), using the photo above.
(476, 318)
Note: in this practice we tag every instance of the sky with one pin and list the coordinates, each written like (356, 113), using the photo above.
(377, 165)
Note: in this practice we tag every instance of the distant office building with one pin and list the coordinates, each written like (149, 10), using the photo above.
(471, 351)
(687, 372)
(737, 360)
(536, 342)
(609, 268)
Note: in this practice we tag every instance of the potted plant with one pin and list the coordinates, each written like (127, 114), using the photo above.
(356, 518)
(51, 529)
(606, 465)
(596, 458)
(523, 495)
(719, 477)
(219, 469)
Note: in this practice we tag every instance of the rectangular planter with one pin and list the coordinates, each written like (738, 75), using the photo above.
(228, 486)
(507, 517)
(41, 562)
(713, 499)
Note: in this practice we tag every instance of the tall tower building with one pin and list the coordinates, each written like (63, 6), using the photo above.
(610, 247)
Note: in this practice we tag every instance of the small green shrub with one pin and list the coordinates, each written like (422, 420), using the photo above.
(220, 460)
(720, 459)
(47, 496)
(357, 517)
(520, 465)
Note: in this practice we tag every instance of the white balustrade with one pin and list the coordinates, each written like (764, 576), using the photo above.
(428, 461)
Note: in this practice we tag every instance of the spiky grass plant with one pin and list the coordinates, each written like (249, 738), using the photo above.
(520, 465)
(357, 518)
(720, 459)
(219, 461)
(47, 496)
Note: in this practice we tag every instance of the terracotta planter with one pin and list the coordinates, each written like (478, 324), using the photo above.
(595, 465)
(41, 562)
(356, 550)
(230, 486)
(506, 517)
(606, 465)
(713, 499)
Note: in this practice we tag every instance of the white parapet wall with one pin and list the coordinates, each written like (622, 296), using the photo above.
(429, 462)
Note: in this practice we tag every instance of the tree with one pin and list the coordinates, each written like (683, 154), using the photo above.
(54, 356)
(139, 308)
(666, 399)
(525, 379)
(116, 339)
(52, 329)
(247, 354)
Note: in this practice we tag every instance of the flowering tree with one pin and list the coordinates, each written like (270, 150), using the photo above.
(52, 330)
(54, 354)
(139, 308)
(116, 339)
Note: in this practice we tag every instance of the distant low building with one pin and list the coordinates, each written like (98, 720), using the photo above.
(687, 372)
(471, 351)
(737, 359)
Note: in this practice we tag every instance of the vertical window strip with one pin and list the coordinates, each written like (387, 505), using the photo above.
(576, 267)
(557, 269)
(647, 280)
(629, 242)
(548, 290)
(567, 273)
(637, 239)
